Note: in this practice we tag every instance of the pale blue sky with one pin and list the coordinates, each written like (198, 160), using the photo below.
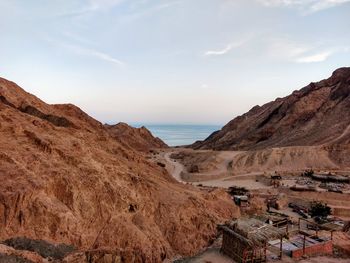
(170, 61)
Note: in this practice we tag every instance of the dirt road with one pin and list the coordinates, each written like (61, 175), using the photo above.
(174, 168)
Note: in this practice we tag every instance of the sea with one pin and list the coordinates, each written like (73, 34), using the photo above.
(178, 135)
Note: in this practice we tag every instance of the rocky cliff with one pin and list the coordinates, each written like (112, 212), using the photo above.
(316, 115)
(66, 178)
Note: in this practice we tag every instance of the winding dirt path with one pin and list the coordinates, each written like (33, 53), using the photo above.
(176, 168)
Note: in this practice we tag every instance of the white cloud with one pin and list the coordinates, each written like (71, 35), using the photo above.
(83, 51)
(144, 12)
(92, 6)
(94, 53)
(319, 57)
(282, 2)
(286, 49)
(77, 38)
(100, 4)
(325, 4)
(105, 5)
(306, 6)
(218, 52)
(225, 50)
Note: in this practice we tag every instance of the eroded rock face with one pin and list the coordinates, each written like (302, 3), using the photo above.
(76, 184)
(315, 115)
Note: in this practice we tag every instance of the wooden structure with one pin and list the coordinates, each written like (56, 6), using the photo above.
(236, 190)
(241, 200)
(246, 240)
(316, 227)
(304, 243)
(276, 180)
(275, 219)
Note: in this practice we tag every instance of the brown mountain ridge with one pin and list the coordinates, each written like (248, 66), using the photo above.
(316, 115)
(66, 178)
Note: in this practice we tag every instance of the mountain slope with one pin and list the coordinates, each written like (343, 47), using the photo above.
(136, 138)
(318, 114)
(65, 178)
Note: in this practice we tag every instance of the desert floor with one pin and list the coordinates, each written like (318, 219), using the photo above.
(217, 169)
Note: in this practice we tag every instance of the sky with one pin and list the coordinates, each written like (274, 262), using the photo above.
(170, 61)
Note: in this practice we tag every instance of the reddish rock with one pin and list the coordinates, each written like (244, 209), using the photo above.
(66, 178)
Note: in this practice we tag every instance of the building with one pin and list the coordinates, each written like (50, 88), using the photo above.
(246, 240)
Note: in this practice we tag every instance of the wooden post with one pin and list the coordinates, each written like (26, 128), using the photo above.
(265, 252)
(299, 224)
(287, 228)
(281, 243)
(304, 244)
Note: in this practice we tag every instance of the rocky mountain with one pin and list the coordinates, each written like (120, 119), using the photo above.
(66, 178)
(316, 115)
(136, 138)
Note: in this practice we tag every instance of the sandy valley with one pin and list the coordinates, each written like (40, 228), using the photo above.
(76, 190)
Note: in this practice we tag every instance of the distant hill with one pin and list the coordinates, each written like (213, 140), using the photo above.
(136, 138)
(316, 115)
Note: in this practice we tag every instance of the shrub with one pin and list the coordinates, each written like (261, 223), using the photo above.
(319, 209)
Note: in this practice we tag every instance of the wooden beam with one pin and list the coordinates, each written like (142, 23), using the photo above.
(281, 250)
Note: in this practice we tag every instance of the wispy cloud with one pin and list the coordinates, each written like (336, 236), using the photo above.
(88, 52)
(225, 50)
(321, 5)
(93, 53)
(318, 57)
(286, 49)
(306, 6)
(135, 9)
(77, 38)
(147, 11)
(92, 6)
(100, 4)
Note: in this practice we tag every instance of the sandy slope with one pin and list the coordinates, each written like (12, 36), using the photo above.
(295, 158)
(216, 164)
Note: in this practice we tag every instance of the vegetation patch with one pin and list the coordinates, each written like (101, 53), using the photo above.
(41, 247)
